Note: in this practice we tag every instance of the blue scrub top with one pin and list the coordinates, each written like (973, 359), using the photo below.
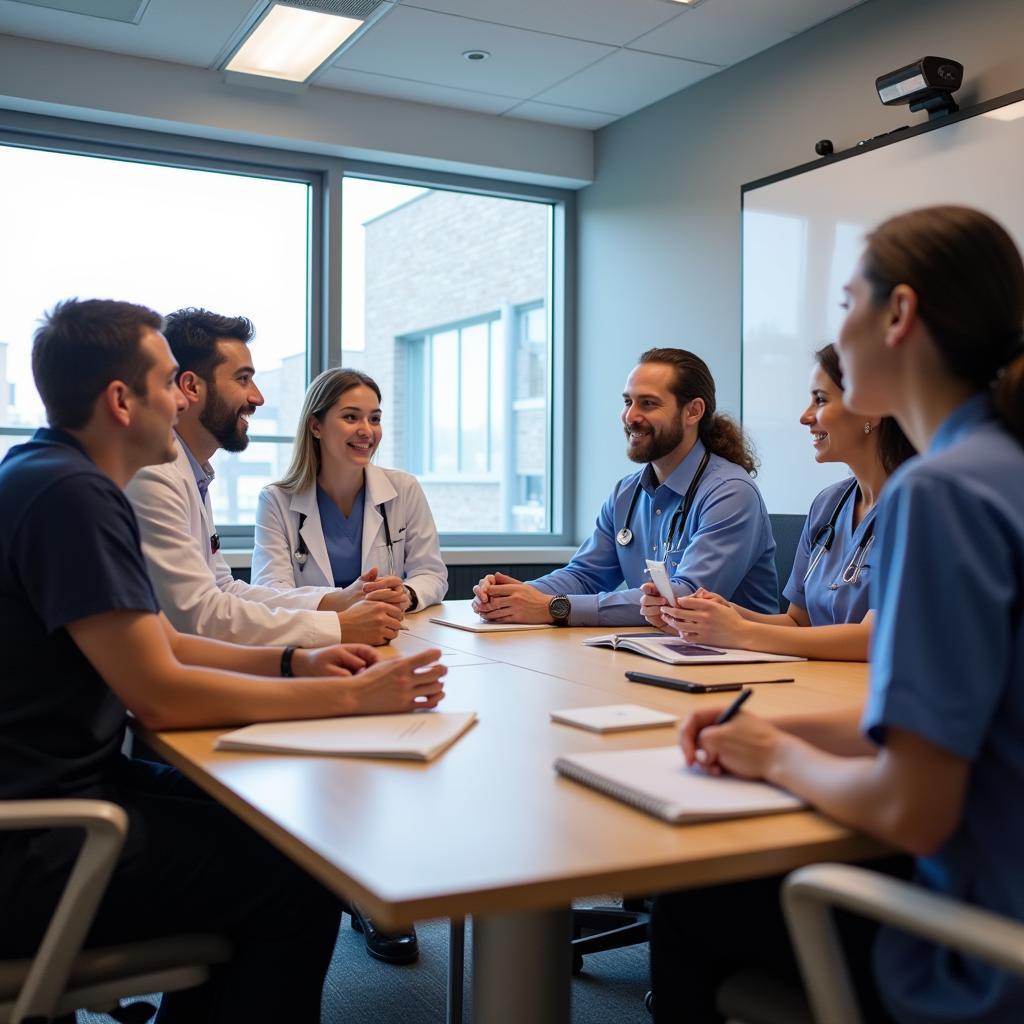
(828, 600)
(726, 545)
(343, 536)
(947, 664)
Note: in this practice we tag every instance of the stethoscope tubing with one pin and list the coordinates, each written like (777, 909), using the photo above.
(301, 552)
(625, 536)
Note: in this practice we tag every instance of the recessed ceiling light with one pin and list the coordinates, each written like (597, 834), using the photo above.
(476, 55)
(290, 43)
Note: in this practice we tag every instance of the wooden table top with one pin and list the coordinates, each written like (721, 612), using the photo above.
(489, 826)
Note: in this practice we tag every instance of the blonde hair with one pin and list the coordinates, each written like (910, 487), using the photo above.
(320, 398)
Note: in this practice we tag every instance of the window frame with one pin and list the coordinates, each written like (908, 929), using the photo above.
(324, 174)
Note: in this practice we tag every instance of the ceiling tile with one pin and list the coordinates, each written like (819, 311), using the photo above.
(183, 31)
(599, 21)
(428, 47)
(417, 92)
(626, 81)
(571, 117)
(728, 31)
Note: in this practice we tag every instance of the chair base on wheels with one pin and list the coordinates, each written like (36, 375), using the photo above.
(608, 928)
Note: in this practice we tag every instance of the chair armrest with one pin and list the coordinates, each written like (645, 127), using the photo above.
(106, 826)
(809, 893)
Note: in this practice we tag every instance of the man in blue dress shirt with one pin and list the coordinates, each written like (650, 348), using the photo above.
(693, 506)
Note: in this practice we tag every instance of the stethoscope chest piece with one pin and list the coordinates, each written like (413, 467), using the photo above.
(624, 536)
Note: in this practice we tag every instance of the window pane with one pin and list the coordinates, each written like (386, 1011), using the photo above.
(475, 405)
(165, 237)
(421, 265)
(444, 396)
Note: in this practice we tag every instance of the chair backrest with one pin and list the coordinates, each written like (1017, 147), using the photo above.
(787, 530)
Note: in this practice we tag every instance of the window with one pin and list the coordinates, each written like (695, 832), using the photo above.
(450, 291)
(165, 237)
(447, 304)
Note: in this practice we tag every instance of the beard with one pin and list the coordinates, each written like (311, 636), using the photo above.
(655, 445)
(223, 422)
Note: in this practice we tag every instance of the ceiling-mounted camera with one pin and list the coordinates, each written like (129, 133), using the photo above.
(927, 84)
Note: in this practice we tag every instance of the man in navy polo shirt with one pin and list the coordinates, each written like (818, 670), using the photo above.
(84, 640)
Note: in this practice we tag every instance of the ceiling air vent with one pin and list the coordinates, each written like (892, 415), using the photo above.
(361, 9)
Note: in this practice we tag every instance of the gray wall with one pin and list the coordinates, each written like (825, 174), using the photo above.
(659, 230)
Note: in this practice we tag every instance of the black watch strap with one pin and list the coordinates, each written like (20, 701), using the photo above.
(414, 597)
(286, 662)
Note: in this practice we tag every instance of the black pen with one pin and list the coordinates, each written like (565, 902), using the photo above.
(733, 708)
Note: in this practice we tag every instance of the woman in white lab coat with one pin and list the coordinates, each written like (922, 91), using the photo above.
(335, 519)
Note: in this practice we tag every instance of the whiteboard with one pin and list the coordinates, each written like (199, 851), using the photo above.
(802, 236)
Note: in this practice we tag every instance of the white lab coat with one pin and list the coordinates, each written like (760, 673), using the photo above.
(417, 551)
(194, 585)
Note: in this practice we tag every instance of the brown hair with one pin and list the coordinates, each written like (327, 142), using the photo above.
(321, 396)
(894, 448)
(969, 280)
(721, 435)
(81, 347)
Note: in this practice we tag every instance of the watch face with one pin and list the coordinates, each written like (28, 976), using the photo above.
(559, 607)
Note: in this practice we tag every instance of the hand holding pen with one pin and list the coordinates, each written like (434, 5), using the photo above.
(722, 740)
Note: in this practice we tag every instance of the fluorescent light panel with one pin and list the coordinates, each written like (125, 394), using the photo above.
(1008, 113)
(290, 43)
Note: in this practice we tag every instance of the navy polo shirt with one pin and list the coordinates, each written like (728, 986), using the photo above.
(69, 549)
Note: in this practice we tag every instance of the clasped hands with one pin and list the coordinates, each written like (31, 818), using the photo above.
(502, 598)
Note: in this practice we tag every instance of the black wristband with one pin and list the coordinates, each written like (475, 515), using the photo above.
(413, 597)
(286, 662)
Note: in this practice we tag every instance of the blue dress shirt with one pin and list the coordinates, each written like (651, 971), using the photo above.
(343, 536)
(947, 664)
(726, 545)
(826, 597)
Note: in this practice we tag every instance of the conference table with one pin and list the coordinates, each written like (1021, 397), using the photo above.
(488, 829)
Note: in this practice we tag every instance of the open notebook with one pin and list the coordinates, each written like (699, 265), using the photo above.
(418, 736)
(674, 651)
(657, 781)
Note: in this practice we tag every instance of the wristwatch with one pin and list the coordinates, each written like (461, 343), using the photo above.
(414, 600)
(560, 608)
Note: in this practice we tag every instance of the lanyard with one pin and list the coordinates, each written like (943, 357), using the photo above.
(679, 517)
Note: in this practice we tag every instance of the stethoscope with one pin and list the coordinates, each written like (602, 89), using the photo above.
(678, 520)
(825, 536)
(301, 552)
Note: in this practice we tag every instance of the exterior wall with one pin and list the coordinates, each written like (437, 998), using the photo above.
(441, 259)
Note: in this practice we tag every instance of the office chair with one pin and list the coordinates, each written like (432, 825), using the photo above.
(62, 977)
(597, 929)
(809, 893)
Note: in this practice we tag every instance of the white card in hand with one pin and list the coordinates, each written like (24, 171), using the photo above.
(613, 718)
(659, 577)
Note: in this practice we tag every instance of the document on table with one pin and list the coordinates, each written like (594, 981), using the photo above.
(657, 780)
(417, 736)
(459, 615)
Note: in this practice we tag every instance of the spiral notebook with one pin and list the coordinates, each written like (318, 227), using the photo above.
(656, 780)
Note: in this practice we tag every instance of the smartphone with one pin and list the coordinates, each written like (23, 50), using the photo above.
(659, 577)
(685, 685)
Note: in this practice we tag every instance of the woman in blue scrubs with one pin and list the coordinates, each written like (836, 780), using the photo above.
(935, 763)
(828, 587)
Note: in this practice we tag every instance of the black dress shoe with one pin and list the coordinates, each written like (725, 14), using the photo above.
(391, 947)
